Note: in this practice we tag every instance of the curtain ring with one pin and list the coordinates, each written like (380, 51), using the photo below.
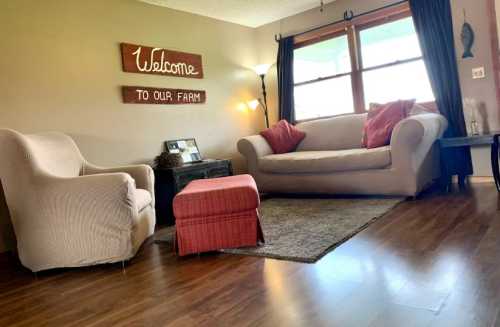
(348, 15)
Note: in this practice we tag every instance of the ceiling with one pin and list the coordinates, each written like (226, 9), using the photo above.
(251, 13)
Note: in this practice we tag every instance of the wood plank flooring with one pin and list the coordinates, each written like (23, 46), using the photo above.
(434, 261)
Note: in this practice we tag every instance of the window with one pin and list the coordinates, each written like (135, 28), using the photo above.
(393, 67)
(322, 74)
(353, 64)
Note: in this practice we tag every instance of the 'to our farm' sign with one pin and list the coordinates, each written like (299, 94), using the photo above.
(148, 60)
(150, 95)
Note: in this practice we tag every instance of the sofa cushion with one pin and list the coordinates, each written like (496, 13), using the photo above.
(423, 108)
(337, 133)
(142, 198)
(381, 121)
(326, 161)
(283, 137)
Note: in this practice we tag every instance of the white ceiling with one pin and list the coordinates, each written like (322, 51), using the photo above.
(252, 13)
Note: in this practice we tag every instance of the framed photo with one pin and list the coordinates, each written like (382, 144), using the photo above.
(187, 148)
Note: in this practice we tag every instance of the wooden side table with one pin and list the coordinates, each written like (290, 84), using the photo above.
(470, 141)
(170, 181)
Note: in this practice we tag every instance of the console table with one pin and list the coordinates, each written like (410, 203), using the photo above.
(491, 139)
(170, 181)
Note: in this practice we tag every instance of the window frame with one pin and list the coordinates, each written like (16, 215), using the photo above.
(352, 29)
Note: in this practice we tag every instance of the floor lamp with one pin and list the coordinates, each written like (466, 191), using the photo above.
(262, 70)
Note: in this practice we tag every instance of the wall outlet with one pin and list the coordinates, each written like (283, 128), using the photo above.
(478, 73)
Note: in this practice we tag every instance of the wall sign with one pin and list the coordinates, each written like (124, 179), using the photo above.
(152, 95)
(148, 60)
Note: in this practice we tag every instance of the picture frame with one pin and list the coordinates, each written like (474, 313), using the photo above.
(187, 148)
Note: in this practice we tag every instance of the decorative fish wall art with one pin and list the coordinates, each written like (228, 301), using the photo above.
(467, 37)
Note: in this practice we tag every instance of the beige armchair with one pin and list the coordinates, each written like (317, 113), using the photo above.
(67, 212)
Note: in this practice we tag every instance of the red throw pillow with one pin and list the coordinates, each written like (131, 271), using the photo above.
(283, 137)
(382, 119)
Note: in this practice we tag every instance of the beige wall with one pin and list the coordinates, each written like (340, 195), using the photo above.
(497, 9)
(481, 90)
(60, 69)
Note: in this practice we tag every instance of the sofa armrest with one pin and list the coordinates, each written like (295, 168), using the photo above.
(413, 139)
(253, 148)
(142, 174)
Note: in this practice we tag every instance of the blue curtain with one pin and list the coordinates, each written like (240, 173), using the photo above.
(433, 22)
(285, 79)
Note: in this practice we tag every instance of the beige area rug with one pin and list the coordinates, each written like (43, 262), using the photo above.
(305, 229)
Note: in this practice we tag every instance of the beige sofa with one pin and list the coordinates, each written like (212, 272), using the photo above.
(67, 212)
(331, 159)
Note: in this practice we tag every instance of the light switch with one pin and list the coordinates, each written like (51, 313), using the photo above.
(478, 73)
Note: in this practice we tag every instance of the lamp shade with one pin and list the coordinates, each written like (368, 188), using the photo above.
(262, 69)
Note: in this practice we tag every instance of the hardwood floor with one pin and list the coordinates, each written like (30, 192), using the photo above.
(434, 261)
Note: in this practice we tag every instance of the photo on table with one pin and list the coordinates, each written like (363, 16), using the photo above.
(187, 148)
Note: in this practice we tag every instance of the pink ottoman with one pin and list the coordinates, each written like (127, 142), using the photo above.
(218, 213)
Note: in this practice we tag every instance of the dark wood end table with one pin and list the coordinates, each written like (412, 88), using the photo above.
(491, 139)
(170, 181)
(494, 160)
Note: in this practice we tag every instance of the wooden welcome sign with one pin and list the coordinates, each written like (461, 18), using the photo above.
(148, 60)
(151, 95)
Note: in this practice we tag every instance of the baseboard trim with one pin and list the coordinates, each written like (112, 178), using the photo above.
(475, 179)
(481, 179)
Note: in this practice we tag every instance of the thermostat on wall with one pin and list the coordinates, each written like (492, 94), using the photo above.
(478, 73)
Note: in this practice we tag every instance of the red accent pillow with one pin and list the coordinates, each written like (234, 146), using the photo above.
(382, 119)
(283, 137)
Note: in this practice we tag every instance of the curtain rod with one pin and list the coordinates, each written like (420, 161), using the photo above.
(348, 15)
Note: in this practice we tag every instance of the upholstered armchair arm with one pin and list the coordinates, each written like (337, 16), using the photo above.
(413, 139)
(252, 148)
(142, 174)
(110, 194)
(81, 220)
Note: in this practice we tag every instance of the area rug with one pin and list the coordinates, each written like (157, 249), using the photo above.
(305, 229)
